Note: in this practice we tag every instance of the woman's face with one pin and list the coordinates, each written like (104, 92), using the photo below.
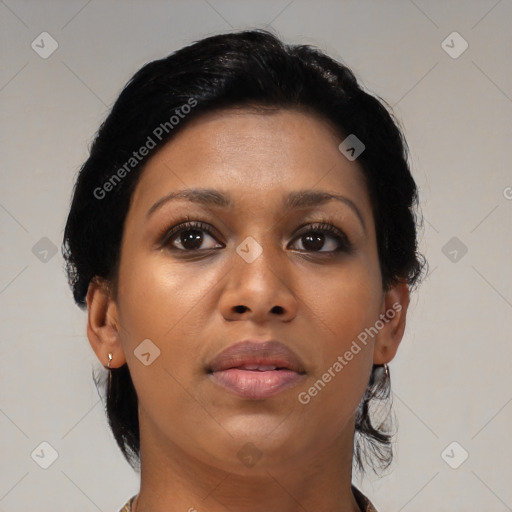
(260, 268)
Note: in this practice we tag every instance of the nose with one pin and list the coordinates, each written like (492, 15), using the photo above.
(260, 290)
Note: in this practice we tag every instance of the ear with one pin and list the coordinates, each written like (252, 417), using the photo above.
(393, 314)
(102, 324)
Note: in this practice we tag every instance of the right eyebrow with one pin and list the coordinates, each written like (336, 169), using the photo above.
(205, 196)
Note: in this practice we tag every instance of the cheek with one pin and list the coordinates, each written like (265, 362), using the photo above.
(342, 307)
(345, 301)
(164, 301)
(156, 296)
(161, 302)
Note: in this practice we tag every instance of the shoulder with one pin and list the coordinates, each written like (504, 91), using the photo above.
(364, 503)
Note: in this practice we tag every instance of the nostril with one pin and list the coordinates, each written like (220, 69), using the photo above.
(276, 309)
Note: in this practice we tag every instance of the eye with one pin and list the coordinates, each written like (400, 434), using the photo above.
(318, 236)
(190, 236)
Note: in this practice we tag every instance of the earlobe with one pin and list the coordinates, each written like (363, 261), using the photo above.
(102, 324)
(393, 316)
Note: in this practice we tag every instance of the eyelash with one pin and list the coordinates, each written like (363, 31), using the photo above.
(322, 226)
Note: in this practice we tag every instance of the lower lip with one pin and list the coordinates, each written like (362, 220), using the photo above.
(254, 384)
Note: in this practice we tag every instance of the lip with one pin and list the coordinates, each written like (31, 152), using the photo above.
(236, 369)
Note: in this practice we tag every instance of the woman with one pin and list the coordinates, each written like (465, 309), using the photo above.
(243, 236)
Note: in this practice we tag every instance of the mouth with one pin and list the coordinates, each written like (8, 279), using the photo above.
(257, 370)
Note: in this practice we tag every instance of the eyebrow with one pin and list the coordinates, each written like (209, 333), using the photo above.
(293, 201)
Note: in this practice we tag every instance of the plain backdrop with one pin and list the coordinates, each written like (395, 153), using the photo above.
(452, 94)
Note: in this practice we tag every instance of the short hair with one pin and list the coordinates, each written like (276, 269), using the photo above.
(239, 69)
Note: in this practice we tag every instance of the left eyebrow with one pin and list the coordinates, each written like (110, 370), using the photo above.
(293, 201)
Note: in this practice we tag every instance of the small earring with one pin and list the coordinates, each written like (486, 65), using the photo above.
(109, 359)
(386, 370)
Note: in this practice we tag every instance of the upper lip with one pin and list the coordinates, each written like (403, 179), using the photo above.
(254, 352)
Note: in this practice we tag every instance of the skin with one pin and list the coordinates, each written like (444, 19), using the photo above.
(190, 428)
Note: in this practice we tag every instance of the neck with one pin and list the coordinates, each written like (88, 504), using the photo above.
(174, 480)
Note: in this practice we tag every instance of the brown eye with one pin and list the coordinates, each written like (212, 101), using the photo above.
(191, 236)
(323, 236)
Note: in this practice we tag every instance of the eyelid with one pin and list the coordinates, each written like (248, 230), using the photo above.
(325, 220)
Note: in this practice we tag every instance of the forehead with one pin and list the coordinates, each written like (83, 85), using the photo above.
(256, 156)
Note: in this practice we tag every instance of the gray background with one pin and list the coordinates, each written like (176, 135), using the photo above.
(451, 377)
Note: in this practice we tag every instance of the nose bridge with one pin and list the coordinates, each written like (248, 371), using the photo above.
(258, 279)
(256, 256)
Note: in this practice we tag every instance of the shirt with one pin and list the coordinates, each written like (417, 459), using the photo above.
(364, 503)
